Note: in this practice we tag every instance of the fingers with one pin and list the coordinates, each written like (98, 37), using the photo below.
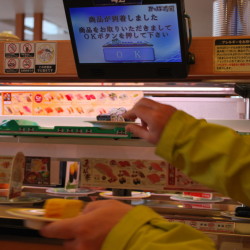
(130, 115)
(91, 206)
(70, 228)
(141, 111)
(58, 230)
(101, 205)
(137, 130)
(88, 230)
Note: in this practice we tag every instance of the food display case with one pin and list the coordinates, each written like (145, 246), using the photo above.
(39, 84)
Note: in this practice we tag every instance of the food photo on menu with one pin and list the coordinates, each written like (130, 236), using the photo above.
(72, 175)
(37, 171)
(11, 176)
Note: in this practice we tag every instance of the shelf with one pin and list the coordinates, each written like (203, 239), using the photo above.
(76, 148)
(76, 141)
(202, 70)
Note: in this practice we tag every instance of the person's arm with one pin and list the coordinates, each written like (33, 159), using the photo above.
(144, 229)
(111, 224)
(114, 225)
(213, 155)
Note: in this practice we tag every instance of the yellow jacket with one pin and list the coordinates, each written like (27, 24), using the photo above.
(210, 154)
(143, 229)
(213, 155)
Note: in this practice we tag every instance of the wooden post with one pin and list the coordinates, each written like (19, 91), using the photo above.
(20, 25)
(38, 26)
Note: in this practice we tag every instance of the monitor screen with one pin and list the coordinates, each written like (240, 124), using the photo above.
(119, 41)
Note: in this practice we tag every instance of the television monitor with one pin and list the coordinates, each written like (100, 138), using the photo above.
(128, 40)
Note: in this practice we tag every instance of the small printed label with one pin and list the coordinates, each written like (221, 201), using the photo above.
(30, 58)
(12, 65)
(45, 58)
(27, 65)
(232, 55)
(72, 175)
(27, 50)
(11, 50)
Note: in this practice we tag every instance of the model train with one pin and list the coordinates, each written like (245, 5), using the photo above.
(29, 128)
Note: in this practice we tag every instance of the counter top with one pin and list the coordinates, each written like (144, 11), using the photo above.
(163, 204)
(205, 217)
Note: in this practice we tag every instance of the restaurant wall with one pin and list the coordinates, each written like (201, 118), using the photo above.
(201, 15)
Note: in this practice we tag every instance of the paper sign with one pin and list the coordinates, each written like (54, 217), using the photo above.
(199, 194)
(72, 175)
(16, 176)
(37, 171)
(67, 103)
(5, 169)
(155, 175)
(11, 175)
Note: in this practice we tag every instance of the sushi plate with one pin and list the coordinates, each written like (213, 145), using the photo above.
(109, 124)
(135, 195)
(190, 199)
(33, 218)
(72, 193)
(20, 201)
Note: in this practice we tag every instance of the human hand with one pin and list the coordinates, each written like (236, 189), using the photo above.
(88, 230)
(154, 116)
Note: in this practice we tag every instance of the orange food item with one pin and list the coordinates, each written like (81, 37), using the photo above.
(59, 110)
(49, 110)
(156, 166)
(62, 208)
(73, 168)
(106, 170)
(154, 178)
(4, 185)
(4, 189)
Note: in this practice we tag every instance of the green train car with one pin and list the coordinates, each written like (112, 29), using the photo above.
(29, 128)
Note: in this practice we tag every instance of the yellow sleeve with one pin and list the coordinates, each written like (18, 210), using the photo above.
(144, 229)
(211, 154)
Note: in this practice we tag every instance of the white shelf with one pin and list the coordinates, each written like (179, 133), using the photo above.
(76, 141)
(76, 148)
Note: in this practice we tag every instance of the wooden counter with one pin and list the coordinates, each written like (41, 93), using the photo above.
(26, 243)
(14, 236)
(202, 47)
(17, 237)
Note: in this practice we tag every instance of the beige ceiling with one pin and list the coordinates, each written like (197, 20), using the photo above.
(52, 9)
(200, 11)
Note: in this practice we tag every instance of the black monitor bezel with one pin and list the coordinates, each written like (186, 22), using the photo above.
(131, 71)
